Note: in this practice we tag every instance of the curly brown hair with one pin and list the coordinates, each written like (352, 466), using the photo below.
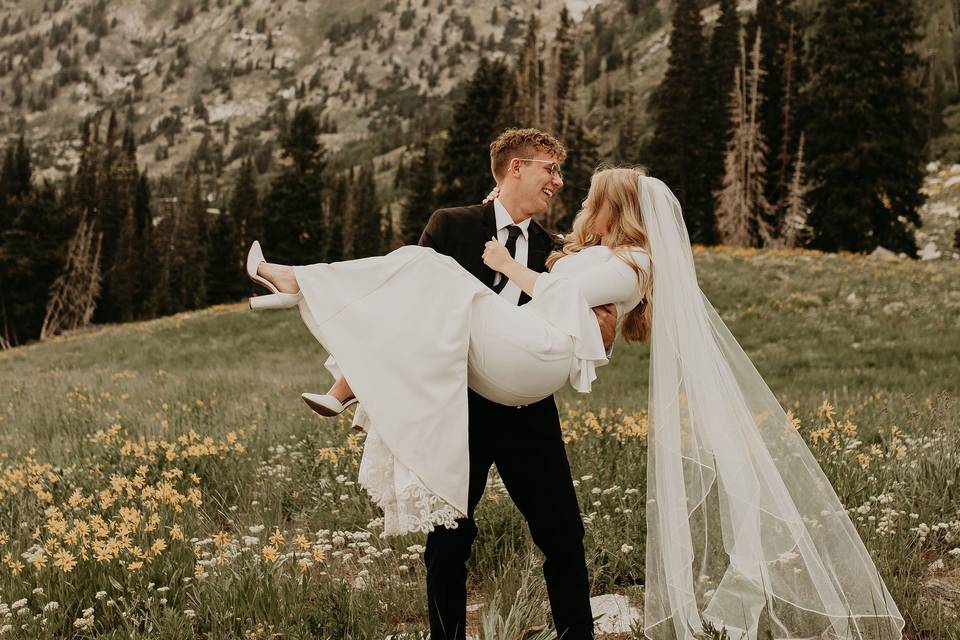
(513, 143)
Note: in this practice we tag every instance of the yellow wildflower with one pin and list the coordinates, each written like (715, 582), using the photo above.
(827, 410)
(176, 533)
(158, 546)
(820, 434)
(269, 553)
(319, 555)
(276, 538)
(134, 566)
(794, 420)
(64, 560)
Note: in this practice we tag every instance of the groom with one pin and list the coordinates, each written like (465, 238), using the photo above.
(524, 442)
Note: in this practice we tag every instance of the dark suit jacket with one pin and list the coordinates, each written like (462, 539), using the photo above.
(461, 232)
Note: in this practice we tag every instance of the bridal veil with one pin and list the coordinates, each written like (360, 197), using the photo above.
(742, 524)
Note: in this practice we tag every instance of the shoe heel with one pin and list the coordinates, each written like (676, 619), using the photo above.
(275, 301)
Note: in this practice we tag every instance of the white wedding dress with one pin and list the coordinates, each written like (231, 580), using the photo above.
(413, 329)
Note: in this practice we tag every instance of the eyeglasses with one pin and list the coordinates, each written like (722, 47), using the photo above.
(554, 167)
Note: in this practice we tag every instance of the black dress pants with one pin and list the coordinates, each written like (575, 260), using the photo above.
(526, 445)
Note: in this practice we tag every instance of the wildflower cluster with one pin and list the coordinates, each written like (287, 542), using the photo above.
(578, 425)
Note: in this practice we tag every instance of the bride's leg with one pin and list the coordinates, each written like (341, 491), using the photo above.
(280, 275)
(341, 390)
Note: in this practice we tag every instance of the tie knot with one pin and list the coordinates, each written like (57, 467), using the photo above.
(513, 232)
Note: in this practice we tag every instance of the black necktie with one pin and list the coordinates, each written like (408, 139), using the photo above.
(513, 232)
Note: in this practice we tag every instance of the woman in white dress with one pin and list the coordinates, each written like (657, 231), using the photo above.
(412, 329)
(741, 520)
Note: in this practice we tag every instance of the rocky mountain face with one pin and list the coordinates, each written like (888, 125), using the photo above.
(216, 80)
(219, 77)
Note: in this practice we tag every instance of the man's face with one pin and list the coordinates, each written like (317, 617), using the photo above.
(537, 185)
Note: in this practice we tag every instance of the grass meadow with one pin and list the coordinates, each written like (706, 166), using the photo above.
(164, 480)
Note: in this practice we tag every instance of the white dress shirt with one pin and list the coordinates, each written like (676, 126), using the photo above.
(511, 291)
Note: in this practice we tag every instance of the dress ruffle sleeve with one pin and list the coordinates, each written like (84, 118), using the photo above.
(559, 299)
(567, 299)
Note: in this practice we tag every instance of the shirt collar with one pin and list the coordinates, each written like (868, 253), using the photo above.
(504, 219)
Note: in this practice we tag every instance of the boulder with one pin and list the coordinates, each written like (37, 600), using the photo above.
(930, 252)
(614, 613)
(882, 252)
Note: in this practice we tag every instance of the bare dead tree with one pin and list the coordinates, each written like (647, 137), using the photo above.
(73, 295)
(742, 203)
(795, 229)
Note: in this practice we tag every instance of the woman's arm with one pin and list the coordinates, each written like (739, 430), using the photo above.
(523, 277)
(496, 256)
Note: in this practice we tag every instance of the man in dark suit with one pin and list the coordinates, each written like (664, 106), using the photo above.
(524, 442)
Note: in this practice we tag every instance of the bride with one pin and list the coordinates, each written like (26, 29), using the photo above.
(743, 527)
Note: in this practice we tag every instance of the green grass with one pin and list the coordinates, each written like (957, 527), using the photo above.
(889, 358)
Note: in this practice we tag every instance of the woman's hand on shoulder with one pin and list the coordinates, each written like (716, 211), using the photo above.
(495, 255)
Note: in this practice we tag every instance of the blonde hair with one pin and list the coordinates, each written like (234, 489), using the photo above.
(619, 187)
(513, 143)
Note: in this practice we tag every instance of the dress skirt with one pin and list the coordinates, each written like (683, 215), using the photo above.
(410, 331)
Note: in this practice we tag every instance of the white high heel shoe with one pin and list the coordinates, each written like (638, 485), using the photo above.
(326, 405)
(277, 300)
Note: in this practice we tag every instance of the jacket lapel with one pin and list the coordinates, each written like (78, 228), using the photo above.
(537, 249)
(488, 229)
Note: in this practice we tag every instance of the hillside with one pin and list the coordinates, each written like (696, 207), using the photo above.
(219, 73)
(201, 410)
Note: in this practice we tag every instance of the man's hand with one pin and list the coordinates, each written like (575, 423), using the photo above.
(607, 317)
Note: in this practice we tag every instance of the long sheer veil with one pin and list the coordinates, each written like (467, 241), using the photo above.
(743, 527)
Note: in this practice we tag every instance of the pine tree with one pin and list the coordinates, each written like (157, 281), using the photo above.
(338, 210)
(628, 149)
(464, 167)
(123, 274)
(244, 207)
(560, 75)
(582, 160)
(724, 56)
(422, 199)
(676, 149)
(742, 202)
(143, 216)
(293, 221)
(32, 255)
(225, 281)
(182, 244)
(773, 19)
(528, 105)
(864, 183)
(781, 167)
(367, 218)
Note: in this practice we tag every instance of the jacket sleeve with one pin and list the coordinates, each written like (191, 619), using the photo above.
(434, 234)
